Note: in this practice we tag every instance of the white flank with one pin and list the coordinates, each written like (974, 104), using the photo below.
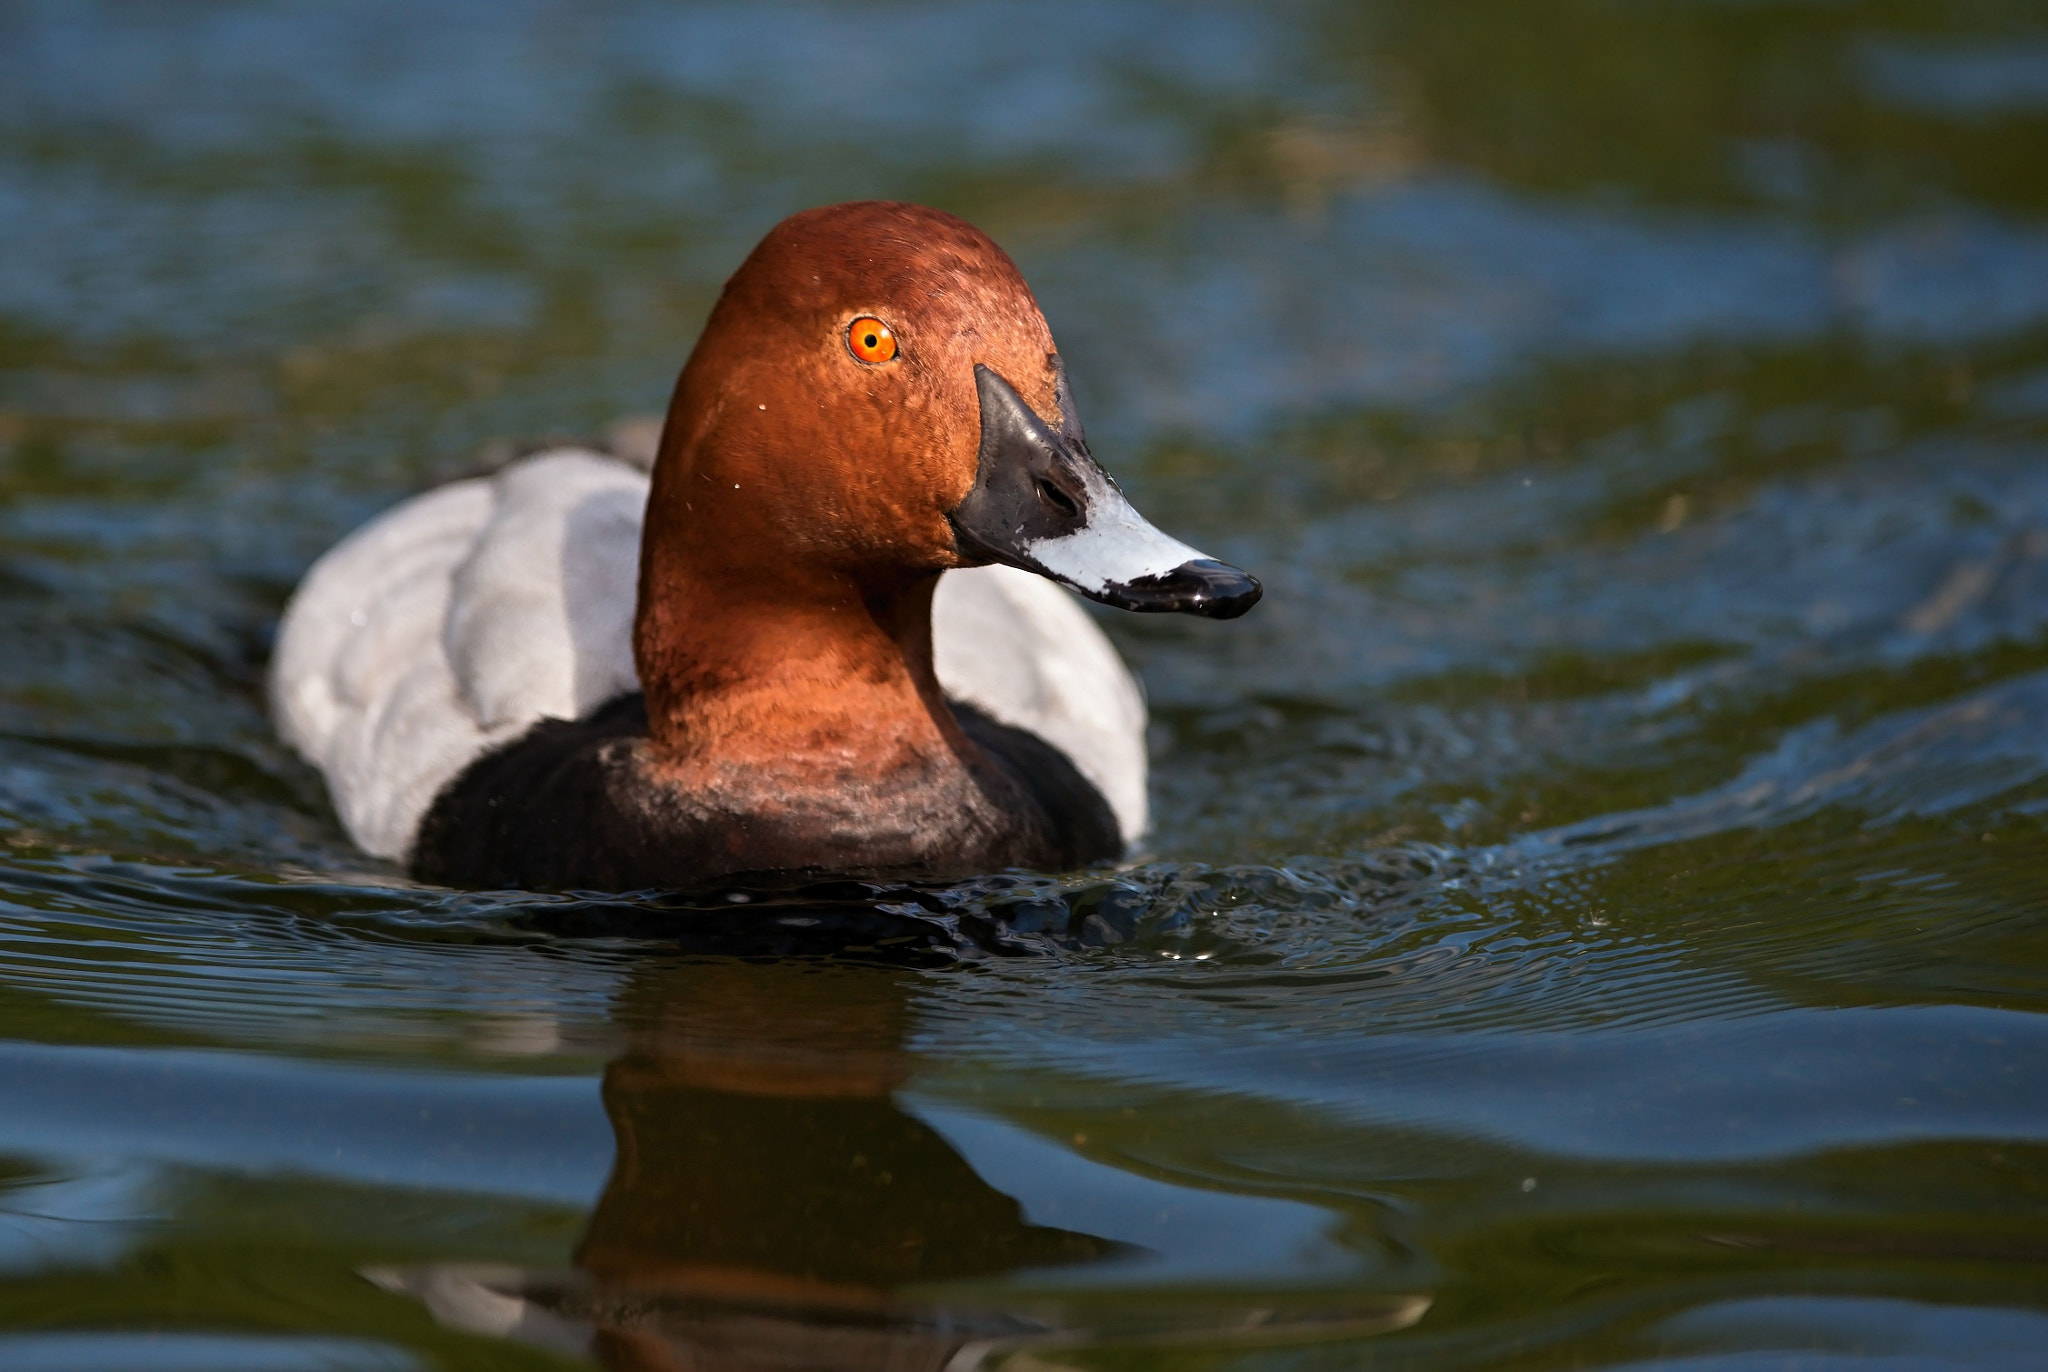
(456, 621)
(453, 623)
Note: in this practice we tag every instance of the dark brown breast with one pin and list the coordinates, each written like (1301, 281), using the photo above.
(573, 805)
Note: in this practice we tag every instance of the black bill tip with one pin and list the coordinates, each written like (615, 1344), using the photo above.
(1202, 586)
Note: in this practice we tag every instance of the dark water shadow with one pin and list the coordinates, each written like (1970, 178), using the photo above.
(855, 920)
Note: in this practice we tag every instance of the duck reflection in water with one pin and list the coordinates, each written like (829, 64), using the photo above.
(770, 1198)
(771, 1204)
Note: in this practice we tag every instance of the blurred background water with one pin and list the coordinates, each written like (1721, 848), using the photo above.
(1599, 910)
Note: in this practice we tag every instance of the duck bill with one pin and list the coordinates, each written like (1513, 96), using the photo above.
(1041, 502)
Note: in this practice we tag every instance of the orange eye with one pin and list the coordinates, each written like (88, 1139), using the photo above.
(871, 340)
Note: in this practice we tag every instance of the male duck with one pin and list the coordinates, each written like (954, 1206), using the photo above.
(568, 675)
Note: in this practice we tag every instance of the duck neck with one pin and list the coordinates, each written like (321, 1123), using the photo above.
(790, 675)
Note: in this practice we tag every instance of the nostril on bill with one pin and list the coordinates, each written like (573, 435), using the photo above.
(1057, 500)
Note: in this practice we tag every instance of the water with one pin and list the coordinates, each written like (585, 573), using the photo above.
(1598, 915)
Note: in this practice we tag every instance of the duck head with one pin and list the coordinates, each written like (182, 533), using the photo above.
(877, 398)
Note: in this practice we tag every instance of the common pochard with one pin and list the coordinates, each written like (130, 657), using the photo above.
(824, 635)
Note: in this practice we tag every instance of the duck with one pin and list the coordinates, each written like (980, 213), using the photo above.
(830, 628)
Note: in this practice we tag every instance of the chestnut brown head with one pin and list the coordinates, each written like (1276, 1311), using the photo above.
(876, 396)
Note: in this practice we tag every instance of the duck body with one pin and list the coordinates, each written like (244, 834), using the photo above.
(822, 635)
(461, 671)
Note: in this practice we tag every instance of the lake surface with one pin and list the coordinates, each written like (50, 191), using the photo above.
(1598, 915)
